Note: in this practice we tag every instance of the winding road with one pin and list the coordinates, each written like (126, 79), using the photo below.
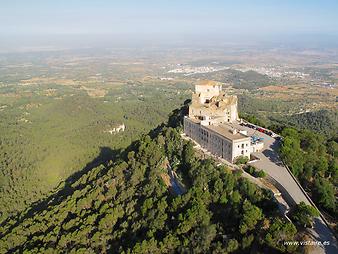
(270, 162)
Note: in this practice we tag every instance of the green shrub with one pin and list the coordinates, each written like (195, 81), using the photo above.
(253, 171)
(260, 174)
(241, 160)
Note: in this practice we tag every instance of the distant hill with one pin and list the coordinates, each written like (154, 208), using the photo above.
(249, 80)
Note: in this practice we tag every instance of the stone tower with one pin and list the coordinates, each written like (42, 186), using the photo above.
(211, 104)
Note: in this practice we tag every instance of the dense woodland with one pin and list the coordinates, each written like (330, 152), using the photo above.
(265, 108)
(285, 113)
(45, 139)
(314, 160)
(322, 121)
(123, 205)
(66, 185)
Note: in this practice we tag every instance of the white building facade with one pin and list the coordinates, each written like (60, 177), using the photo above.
(221, 141)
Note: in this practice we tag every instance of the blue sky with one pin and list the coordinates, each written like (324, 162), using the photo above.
(176, 18)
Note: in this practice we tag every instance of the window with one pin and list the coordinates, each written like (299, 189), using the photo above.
(242, 152)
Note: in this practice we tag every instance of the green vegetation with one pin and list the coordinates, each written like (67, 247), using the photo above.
(252, 119)
(324, 193)
(254, 172)
(264, 108)
(280, 232)
(266, 112)
(250, 80)
(45, 139)
(322, 121)
(313, 159)
(304, 214)
(241, 160)
(123, 205)
(68, 185)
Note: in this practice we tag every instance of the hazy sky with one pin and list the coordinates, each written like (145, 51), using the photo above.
(167, 18)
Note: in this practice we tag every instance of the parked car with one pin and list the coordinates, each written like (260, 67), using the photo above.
(270, 133)
(274, 135)
(279, 138)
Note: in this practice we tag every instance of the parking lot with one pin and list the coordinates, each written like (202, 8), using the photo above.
(270, 162)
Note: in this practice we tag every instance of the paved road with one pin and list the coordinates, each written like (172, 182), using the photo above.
(272, 165)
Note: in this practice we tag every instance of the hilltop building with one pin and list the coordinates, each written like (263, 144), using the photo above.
(213, 123)
(210, 102)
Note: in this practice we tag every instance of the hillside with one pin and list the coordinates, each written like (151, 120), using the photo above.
(45, 139)
(123, 205)
(322, 121)
(249, 80)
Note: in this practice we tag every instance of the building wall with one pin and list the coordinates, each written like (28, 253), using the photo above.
(191, 129)
(216, 143)
(257, 147)
(210, 112)
(241, 148)
(207, 91)
(233, 112)
(227, 110)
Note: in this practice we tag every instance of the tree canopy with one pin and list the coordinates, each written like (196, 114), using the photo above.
(127, 206)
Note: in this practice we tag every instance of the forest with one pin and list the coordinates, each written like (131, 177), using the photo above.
(313, 159)
(45, 139)
(123, 205)
(322, 121)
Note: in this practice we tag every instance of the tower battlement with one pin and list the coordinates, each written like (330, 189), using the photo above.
(209, 101)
